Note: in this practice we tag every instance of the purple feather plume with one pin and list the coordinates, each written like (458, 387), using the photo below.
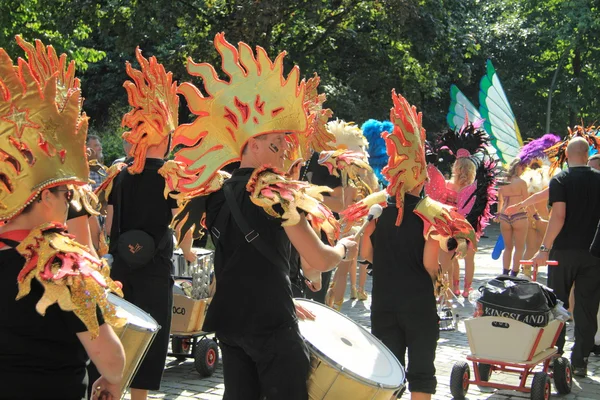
(535, 148)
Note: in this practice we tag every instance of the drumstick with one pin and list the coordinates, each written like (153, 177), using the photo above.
(374, 213)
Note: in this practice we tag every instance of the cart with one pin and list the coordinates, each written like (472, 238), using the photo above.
(191, 342)
(500, 344)
(199, 346)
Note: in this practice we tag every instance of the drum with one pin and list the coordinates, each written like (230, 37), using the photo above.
(347, 362)
(136, 336)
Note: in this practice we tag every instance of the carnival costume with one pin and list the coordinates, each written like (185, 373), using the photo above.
(42, 146)
(557, 154)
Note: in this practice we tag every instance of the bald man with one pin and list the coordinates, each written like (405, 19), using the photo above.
(575, 202)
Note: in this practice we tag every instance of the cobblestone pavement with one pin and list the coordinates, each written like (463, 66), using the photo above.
(182, 382)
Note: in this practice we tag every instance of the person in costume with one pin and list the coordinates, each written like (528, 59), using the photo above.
(140, 209)
(470, 189)
(54, 311)
(253, 216)
(404, 246)
(575, 201)
(513, 226)
(537, 176)
(350, 138)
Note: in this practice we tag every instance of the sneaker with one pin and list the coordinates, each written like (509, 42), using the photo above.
(580, 371)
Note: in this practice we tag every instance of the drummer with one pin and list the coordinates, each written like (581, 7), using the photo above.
(252, 311)
(44, 347)
(137, 208)
(405, 262)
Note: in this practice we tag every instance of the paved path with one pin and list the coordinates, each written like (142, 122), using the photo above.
(182, 382)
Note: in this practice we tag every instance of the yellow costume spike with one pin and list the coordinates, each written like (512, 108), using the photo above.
(406, 168)
(153, 96)
(255, 99)
(42, 128)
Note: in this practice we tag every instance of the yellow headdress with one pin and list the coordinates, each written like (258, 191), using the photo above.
(153, 96)
(256, 99)
(317, 137)
(347, 136)
(406, 168)
(42, 128)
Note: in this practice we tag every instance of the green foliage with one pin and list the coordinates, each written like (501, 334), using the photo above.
(361, 50)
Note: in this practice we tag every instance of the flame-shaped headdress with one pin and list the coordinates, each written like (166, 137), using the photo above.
(317, 137)
(557, 154)
(406, 168)
(42, 128)
(256, 99)
(153, 96)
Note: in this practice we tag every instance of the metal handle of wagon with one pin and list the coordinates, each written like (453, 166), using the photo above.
(530, 262)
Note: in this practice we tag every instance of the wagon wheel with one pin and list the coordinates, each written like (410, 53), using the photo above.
(206, 357)
(541, 388)
(180, 347)
(563, 379)
(459, 380)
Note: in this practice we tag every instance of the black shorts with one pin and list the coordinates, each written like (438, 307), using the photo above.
(151, 289)
(273, 366)
(415, 329)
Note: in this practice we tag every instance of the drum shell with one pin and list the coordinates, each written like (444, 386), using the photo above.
(328, 382)
(136, 340)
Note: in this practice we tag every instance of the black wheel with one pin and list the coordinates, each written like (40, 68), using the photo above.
(206, 357)
(485, 371)
(459, 380)
(540, 386)
(180, 346)
(563, 380)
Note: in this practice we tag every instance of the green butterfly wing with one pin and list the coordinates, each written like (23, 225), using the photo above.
(500, 122)
(460, 108)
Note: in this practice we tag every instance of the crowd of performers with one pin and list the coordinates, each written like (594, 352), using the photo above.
(281, 220)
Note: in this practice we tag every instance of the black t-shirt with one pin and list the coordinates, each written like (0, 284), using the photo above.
(40, 356)
(253, 291)
(143, 205)
(399, 275)
(579, 188)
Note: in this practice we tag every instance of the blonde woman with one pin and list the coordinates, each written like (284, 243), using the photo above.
(513, 226)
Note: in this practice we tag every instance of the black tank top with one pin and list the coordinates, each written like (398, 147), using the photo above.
(399, 275)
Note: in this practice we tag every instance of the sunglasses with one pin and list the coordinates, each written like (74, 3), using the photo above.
(68, 193)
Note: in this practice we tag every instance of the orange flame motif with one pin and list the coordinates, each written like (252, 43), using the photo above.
(153, 96)
(406, 168)
(256, 99)
(42, 128)
(557, 154)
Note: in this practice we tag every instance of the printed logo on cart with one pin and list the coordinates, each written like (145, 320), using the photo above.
(527, 318)
(135, 249)
(179, 310)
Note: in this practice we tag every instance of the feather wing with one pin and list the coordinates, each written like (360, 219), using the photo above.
(461, 109)
(500, 120)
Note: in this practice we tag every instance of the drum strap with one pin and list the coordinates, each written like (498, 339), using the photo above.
(250, 234)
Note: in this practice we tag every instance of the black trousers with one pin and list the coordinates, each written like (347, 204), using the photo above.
(416, 329)
(271, 366)
(581, 268)
(151, 289)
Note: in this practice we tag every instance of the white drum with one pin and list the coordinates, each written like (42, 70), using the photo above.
(136, 336)
(347, 361)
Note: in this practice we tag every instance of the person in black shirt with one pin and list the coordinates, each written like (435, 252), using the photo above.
(252, 311)
(575, 202)
(137, 202)
(54, 309)
(403, 245)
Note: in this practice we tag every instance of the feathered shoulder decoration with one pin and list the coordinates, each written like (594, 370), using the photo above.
(70, 276)
(446, 225)
(269, 187)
